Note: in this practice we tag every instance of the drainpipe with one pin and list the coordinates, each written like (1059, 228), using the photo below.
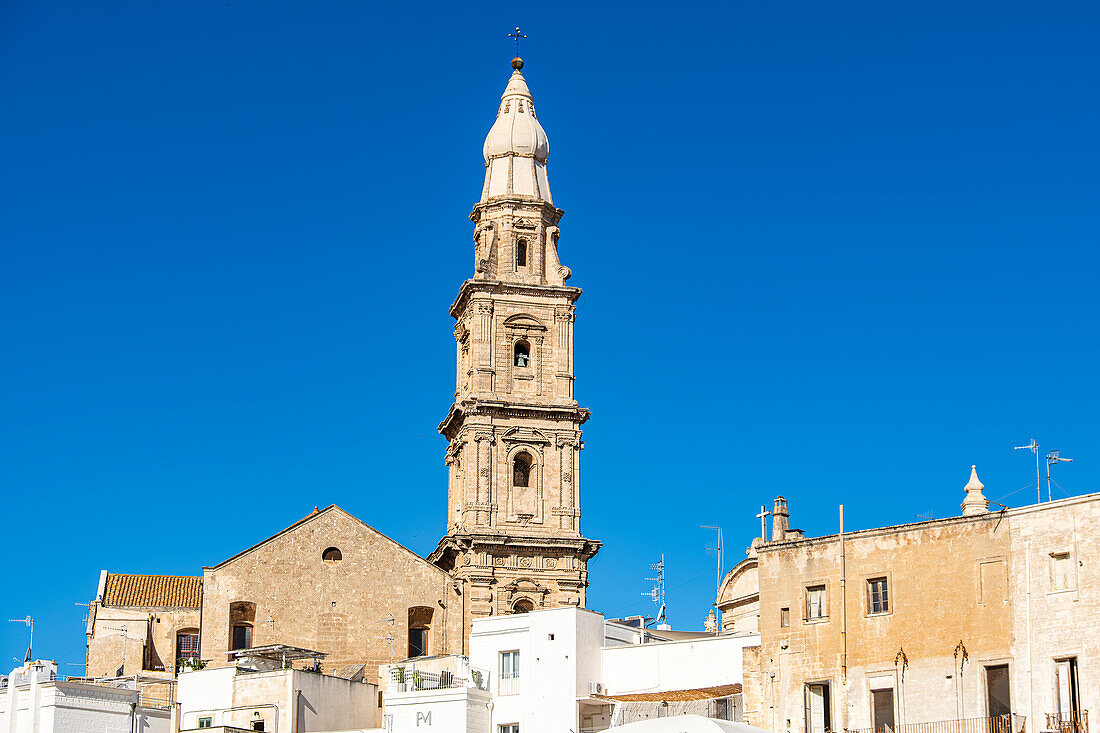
(843, 627)
(133, 714)
(296, 706)
(1030, 661)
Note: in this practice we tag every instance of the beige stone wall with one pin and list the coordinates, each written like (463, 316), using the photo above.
(143, 638)
(514, 544)
(739, 597)
(336, 608)
(1050, 623)
(947, 584)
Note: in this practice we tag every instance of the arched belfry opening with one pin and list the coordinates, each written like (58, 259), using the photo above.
(521, 470)
(521, 353)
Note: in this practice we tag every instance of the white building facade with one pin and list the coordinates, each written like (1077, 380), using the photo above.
(565, 669)
(33, 700)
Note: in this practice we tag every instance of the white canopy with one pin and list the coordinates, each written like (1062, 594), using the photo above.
(686, 724)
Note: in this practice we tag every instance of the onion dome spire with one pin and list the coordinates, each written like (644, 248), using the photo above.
(516, 149)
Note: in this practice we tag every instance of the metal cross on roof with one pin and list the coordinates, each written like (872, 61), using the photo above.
(517, 35)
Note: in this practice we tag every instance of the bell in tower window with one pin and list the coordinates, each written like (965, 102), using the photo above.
(522, 354)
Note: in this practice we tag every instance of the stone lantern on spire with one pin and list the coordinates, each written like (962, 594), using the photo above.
(975, 501)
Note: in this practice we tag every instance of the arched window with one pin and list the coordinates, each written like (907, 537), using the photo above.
(242, 614)
(521, 253)
(521, 353)
(187, 645)
(521, 470)
(420, 623)
(332, 555)
(523, 606)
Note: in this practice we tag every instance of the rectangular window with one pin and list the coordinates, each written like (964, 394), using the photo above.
(815, 602)
(509, 728)
(878, 598)
(882, 703)
(1067, 710)
(206, 722)
(257, 725)
(1061, 571)
(721, 709)
(418, 642)
(509, 673)
(818, 717)
(242, 637)
(998, 699)
(784, 618)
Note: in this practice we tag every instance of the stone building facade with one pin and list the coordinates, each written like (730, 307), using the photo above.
(140, 624)
(513, 542)
(1054, 584)
(328, 582)
(987, 616)
(514, 430)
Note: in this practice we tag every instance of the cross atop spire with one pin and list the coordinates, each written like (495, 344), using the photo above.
(517, 62)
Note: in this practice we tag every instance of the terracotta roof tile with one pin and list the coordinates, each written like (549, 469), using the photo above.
(176, 591)
(700, 693)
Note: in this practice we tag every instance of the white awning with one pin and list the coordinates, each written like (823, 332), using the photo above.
(686, 724)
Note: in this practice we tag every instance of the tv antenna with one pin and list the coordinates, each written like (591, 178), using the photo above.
(716, 552)
(389, 637)
(1052, 459)
(1034, 448)
(30, 623)
(657, 595)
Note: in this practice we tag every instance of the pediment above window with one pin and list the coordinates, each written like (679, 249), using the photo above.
(524, 321)
(525, 435)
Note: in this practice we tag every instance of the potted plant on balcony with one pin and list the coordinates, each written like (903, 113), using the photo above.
(399, 678)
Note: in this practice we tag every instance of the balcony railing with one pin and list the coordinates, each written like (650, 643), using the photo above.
(1069, 722)
(509, 685)
(998, 724)
(438, 674)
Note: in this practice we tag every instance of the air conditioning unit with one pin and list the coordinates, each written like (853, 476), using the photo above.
(595, 688)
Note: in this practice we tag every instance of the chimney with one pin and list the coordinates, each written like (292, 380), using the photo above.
(780, 519)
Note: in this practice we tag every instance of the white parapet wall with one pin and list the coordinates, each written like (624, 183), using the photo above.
(448, 710)
(283, 699)
(32, 703)
(676, 665)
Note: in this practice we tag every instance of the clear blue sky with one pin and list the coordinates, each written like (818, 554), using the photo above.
(834, 251)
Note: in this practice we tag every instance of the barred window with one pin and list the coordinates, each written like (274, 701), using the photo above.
(187, 645)
(878, 598)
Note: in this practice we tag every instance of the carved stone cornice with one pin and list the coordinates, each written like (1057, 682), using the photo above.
(498, 287)
(498, 542)
(474, 406)
(507, 204)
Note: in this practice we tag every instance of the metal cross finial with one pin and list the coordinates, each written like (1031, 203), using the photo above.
(517, 35)
(763, 517)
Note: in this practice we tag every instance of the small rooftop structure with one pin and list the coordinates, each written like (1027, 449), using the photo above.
(274, 656)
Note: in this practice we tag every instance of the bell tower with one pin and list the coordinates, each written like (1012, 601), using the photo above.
(514, 430)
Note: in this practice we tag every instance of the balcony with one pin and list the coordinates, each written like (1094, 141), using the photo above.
(434, 673)
(998, 724)
(1068, 722)
(509, 685)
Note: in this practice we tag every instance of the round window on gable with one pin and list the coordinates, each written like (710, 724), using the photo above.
(331, 556)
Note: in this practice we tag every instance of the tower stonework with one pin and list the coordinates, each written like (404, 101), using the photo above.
(514, 430)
